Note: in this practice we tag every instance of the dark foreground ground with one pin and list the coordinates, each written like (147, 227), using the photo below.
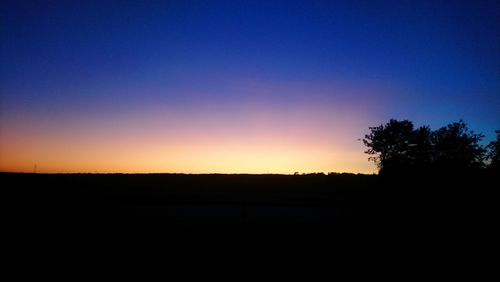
(231, 211)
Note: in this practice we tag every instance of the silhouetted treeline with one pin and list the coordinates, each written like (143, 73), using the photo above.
(398, 147)
(494, 152)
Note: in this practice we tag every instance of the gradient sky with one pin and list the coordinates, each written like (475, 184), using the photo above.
(235, 86)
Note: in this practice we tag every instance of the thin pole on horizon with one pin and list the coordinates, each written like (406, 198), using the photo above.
(34, 169)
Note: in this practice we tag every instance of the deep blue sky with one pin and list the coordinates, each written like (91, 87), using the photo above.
(432, 62)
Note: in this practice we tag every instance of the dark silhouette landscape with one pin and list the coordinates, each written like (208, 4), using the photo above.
(240, 127)
(303, 211)
(409, 200)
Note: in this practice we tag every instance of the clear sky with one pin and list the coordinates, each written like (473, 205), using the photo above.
(235, 86)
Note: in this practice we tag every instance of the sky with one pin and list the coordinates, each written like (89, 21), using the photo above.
(236, 86)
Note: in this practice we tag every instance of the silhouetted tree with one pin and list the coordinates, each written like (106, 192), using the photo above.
(421, 148)
(389, 144)
(457, 147)
(494, 152)
(397, 147)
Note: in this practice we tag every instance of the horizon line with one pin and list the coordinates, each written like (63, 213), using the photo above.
(183, 173)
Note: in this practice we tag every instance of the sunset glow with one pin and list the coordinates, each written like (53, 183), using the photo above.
(251, 138)
(219, 87)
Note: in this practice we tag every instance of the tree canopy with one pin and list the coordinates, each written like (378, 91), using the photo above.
(398, 146)
(494, 152)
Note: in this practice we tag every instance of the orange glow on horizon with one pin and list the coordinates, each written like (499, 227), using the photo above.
(304, 139)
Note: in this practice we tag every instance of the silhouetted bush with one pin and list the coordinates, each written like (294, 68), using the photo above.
(398, 147)
(494, 152)
(455, 146)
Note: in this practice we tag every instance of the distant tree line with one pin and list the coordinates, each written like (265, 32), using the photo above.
(398, 146)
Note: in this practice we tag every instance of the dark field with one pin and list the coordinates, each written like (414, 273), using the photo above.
(279, 210)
